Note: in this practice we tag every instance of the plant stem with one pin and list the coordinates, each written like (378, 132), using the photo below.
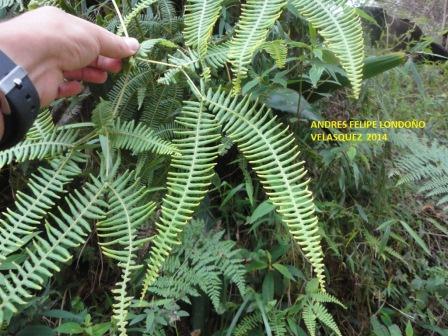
(120, 17)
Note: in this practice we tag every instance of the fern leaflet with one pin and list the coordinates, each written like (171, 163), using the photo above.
(138, 139)
(55, 144)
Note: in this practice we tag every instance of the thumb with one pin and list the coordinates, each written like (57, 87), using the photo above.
(115, 46)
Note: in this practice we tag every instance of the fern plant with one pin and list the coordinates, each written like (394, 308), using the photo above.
(140, 127)
(314, 310)
(423, 163)
(112, 199)
(200, 262)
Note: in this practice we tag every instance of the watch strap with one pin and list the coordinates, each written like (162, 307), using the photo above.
(22, 98)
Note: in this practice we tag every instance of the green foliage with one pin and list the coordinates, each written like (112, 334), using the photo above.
(278, 50)
(69, 230)
(257, 18)
(126, 212)
(133, 15)
(200, 262)
(188, 181)
(200, 18)
(138, 139)
(46, 188)
(57, 142)
(341, 29)
(270, 148)
(163, 205)
(423, 163)
(315, 310)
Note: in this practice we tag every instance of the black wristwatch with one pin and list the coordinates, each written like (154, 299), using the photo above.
(22, 98)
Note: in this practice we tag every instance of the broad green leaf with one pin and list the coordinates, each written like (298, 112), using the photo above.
(262, 210)
(283, 270)
(71, 328)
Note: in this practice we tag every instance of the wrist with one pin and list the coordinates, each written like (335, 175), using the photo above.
(24, 50)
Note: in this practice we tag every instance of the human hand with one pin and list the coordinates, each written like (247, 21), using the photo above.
(58, 50)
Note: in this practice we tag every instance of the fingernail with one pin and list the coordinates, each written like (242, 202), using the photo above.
(133, 44)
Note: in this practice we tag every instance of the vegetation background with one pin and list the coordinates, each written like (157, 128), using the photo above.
(382, 206)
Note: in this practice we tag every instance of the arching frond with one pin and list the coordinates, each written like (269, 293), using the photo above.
(276, 319)
(138, 8)
(269, 147)
(200, 18)
(55, 144)
(341, 28)
(138, 139)
(69, 230)
(257, 18)
(188, 182)
(127, 211)
(16, 226)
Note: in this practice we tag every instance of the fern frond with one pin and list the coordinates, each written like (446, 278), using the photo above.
(138, 139)
(160, 104)
(248, 324)
(188, 182)
(70, 230)
(147, 46)
(326, 298)
(42, 128)
(201, 261)
(309, 317)
(127, 211)
(257, 18)
(325, 317)
(276, 320)
(45, 189)
(423, 163)
(167, 9)
(341, 28)
(139, 7)
(216, 57)
(167, 131)
(278, 50)
(269, 147)
(127, 87)
(200, 18)
(55, 144)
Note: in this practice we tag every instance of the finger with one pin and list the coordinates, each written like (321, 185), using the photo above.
(2, 125)
(107, 64)
(115, 46)
(90, 75)
(69, 89)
